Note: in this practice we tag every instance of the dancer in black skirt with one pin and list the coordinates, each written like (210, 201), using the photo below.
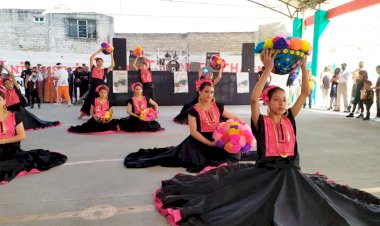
(198, 150)
(16, 102)
(101, 112)
(97, 77)
(13, 160)
(135, 105)
(204, 74)
(273, 191)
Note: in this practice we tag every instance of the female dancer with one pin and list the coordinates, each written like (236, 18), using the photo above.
(97, 77)
(272, 192)
(204, 74)
(198, 150)
(101, 112)
(135, 105)
(16, 102)
(145, 75)
(13, 160)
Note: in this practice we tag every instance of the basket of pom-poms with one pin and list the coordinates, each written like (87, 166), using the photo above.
(291, 53)
(107, 48)
(148, 114)
(217, 62)
(105, 116)
(234, 136)
(138, 51)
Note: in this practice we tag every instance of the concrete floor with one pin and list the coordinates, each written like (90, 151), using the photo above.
(94, 188)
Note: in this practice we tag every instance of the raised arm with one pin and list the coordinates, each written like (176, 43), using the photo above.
(304, 91)
(197, 135)
(10, 73)
(134, 65)
(110, 68)
(217, 79)
(92, 57)
(268, 60)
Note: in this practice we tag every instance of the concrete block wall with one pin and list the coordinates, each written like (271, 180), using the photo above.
(20, 33)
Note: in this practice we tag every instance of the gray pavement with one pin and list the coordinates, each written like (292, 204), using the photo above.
(94, 188)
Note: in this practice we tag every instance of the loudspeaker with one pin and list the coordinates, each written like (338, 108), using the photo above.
(248, 57)
(120, 53)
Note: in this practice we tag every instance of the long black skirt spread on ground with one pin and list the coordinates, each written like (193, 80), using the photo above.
(30, 121)
(16, 162)
(134, 124)
(272, 192)
(92, 126)
(190, 154)
(245, 195)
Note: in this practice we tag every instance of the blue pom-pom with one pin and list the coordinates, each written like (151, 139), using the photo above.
(281, 43)
(259, 47)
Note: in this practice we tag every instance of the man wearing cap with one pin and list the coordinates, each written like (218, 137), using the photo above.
(343, 78)
(25, 76)
(63, 85)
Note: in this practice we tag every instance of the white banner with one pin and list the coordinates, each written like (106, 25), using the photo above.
(242, 80)
(180, 82)
(120, 81)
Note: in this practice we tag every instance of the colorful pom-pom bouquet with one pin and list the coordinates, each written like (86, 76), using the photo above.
(138, 51)
(107, 48)
(234, 136)
(104, 116)
(291, 52)
(217, 62)
(148, 114)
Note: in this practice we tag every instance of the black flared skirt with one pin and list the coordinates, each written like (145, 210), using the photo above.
(133, 124)
(92, 126)
(245, 195)
(16, 162)
(190, 154)
(32, 122)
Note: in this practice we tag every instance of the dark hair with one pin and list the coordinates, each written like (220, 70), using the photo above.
(204, 84)
(99, 58)
(272, 91)
(337, 71)
(27, 63)
(2, 93)
(378, 67)
(103, 88)
(364, 73)
(368, 82)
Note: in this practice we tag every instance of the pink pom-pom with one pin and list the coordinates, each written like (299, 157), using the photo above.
(242, 141)
(235, 139)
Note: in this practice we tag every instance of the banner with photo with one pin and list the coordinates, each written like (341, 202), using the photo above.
(242, 80)
(181, 82)
(120, 81)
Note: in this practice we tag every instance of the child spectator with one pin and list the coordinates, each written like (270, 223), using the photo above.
(367, 97)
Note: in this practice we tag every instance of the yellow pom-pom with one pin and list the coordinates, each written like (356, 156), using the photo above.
(292, 52)
(233, 131)
(219, 61)
(268, 43)
(305, 47)
(285, 51)
(298, 53)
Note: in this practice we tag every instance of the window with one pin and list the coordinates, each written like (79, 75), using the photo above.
(82, 28)
(39, 19)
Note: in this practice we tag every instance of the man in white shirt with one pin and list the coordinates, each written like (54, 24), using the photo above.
(63, 85)
(343, 78)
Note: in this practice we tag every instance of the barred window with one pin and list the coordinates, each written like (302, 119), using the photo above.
(81, 28)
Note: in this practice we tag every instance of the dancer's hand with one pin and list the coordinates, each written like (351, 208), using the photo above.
(267, 57)
(212, 144)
